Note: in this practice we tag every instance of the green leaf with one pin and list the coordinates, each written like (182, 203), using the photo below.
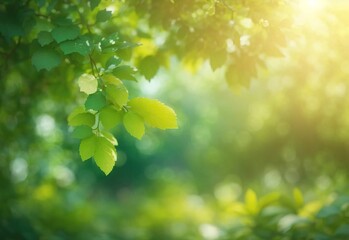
(87, 147)
(125, 72)
(154, 113)
(105, 155)
(342, 230)
(95, 101)
(134, 124)
(298, 198)
(148, 67)
(110, 137)
(87, 83)
(44, 38)
(94, 3)
(251, 201)
(109, 117)
(75, 46)
(46, 59)
(110, 41)
(85, 118)
(328, 211)
(218, 59)
(103, 16)
(81, 132)
(76, 111)
(62, 20)
(112, 63)
(117, 94)
(63, 33)
(110, 79)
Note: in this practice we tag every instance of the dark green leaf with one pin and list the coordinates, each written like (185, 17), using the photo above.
(64, 33)
(343, 230)
(75, 46)
(94, 3)
(46, 59)
(328, 211)
(95, 101)
(103, 16)
(44, 38)
(112, 62)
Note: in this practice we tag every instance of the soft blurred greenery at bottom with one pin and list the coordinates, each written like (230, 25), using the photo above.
(261, 164)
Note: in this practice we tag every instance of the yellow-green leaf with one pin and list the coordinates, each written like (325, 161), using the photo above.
(110, 79)
(110, 137)
(84, 118)
(87, 83)
(87, 147)
(105, 155)
(134, 125)
(82, 132)
(109, 117)
(75, 112)
(251, 201)
(154, 113)
(117, 94)
(298, 197)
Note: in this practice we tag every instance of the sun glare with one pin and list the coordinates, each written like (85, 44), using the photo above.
(312, 5)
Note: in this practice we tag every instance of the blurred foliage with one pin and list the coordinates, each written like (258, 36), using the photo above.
(267, 163)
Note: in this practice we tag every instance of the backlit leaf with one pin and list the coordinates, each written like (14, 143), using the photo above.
(87, 83)
(218, 59)
(105, 155)
(109, 117)
(134, 124)
(110, 79)
(154, 113)
(148, 67)
(75, 112)
(251, 201)
(125, 73)
(87, 147)
(82, 132)
(117, 94)
(298, 197)
(85, 118)
(110, 137)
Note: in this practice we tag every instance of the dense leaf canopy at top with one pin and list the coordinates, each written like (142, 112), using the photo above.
(239, 34)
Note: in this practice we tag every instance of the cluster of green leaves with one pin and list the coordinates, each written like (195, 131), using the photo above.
(276, 216)
(65, 33)
(106, 106)
(239, 35)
